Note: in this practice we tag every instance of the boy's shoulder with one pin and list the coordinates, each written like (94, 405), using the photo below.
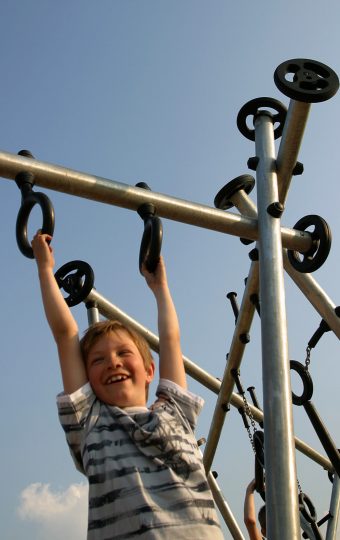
(170, 390)
(171, 395)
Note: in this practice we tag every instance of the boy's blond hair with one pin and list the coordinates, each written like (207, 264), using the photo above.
(102, 328)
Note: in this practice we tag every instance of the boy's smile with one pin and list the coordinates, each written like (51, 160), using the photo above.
(117, 378)
(116, 370)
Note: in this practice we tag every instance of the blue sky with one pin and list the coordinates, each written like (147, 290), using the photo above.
(146, 90)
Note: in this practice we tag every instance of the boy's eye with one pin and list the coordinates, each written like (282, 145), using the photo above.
(97, 360)
(124, 352)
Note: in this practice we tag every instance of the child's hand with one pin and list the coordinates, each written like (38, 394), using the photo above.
(156, 279)
(42, 251)
(251, 487)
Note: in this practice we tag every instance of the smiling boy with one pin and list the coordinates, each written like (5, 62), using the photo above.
(145, 471)
(118, 372)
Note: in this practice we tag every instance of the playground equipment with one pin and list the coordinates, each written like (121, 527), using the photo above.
(297, 250)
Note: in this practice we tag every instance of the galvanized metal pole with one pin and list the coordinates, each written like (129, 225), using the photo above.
(290, 143)
(334, 509)
(235, 355)
(118, 194)
(224, 509)
(281, 484)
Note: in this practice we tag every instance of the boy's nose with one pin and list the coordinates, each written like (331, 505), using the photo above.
(115, 361)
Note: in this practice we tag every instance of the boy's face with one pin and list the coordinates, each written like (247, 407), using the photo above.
(116, 370)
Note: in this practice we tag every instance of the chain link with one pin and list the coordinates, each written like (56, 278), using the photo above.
(299, 486)
(307, 361)
(252, 421)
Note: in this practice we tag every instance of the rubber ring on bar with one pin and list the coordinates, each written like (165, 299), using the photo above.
(306, 80)
(223, 197)
(77, 279)
(318, 253)
(253, 108)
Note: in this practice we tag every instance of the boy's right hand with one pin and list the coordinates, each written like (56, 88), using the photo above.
(42, 250)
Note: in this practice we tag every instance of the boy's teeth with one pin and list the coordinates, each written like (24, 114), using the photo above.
(116, 378)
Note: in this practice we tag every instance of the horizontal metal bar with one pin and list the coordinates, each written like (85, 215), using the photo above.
(110, 311)
(123, 195)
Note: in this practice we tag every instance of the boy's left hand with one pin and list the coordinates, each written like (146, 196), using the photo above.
(156, 279)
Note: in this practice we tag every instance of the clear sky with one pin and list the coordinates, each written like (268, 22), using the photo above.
(149, 90)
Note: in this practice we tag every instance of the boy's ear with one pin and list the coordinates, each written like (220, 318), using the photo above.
(150, 372)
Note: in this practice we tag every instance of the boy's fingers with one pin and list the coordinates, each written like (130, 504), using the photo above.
(45, 238)
(145, 271)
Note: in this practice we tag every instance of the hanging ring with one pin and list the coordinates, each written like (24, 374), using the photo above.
(307, 383)
(25, 182)
(22, 220)
(151, 244)
(307, 508)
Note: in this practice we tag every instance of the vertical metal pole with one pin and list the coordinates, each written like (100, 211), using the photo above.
(281, 485)
(334, 510)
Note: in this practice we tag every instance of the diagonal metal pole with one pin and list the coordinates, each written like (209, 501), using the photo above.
(224, 508)
(290, 143)
(235, 356)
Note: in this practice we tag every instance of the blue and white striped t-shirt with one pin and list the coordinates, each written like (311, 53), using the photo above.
(145, 471)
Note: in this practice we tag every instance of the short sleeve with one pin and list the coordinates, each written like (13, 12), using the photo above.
(74, 411)
(189, 403)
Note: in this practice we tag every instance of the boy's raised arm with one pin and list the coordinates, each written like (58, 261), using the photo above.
(170, 355)
(249, 513)
(59, 317)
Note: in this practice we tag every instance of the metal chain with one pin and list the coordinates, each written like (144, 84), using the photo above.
(252, 421)
(307, 361)
(299, 486)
